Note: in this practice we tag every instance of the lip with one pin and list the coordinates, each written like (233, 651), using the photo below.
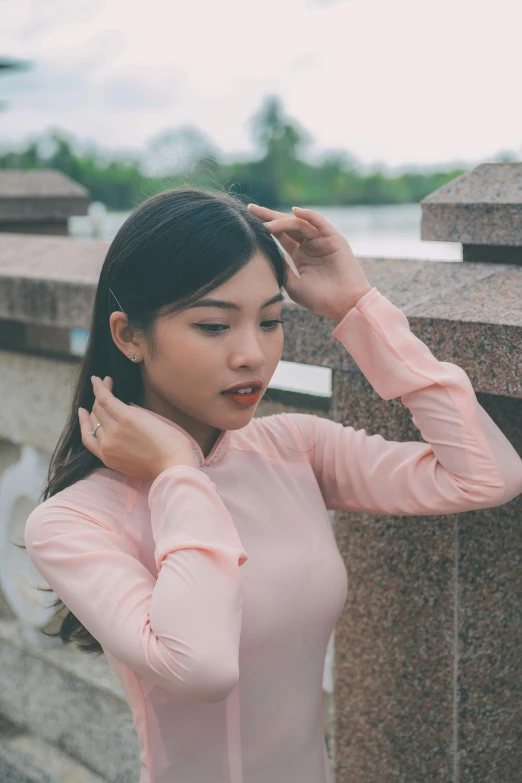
(255, 383)
(243, 400)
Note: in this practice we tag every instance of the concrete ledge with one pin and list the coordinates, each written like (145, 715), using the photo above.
(36, 393)
(15, 767)
(481, 207)
(49, 280)
(70, 700)
(26, 759)
(39, 196)
(452, 306)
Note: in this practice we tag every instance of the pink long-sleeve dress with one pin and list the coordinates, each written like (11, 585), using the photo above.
(213, 591)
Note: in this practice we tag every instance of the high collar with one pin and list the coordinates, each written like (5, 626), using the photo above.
(218, 450)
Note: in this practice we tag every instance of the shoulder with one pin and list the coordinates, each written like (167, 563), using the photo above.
(278, 435)
(103, 497)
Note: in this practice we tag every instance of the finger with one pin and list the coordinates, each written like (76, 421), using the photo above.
(100, 415)
(88, 441)
(103, 415)
(94, 421)
(100, 433)
(271, 215)
(107, 382)
(295, 228)
(264, 213)
(107, 402)
(317, 220)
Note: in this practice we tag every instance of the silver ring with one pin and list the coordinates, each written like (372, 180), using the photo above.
(93, 433)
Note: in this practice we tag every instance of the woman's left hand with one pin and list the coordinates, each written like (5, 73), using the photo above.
(331, 280)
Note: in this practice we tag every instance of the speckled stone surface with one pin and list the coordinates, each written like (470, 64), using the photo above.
(49, 280)
(490, 629)
(481, 207)
(52, 281)
(394, 642)
(467, 313)
(427, 683)
(37, 196)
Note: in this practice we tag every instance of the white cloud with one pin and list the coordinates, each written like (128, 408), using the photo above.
(398, 82)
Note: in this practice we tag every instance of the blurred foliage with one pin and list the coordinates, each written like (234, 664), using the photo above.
(280, 178)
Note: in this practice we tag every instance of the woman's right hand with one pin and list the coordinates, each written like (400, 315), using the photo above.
(130, 440)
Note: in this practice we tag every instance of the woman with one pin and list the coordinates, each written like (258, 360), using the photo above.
(189, 540)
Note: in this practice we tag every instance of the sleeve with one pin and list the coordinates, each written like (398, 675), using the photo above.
(466, 463)
(181, 630)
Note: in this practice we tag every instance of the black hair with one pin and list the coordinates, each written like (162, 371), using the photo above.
(174, 248)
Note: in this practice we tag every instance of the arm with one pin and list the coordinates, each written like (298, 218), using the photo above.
(467, 462)
(181, 630)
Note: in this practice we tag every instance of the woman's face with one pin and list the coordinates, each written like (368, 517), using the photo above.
(193, 365)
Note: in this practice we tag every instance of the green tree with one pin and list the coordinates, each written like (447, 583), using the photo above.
(280, 141)
(279, 178)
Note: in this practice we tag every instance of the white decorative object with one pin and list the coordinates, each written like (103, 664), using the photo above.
(21, 485)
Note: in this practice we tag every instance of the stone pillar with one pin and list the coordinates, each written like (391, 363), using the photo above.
(39, 201)
(482, 209)
(427, 651)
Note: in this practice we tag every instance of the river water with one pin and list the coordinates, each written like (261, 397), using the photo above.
(391, 231)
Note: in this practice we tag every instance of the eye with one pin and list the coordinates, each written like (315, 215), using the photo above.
(218, 328)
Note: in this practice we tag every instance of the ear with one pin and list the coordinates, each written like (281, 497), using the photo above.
(121, 333)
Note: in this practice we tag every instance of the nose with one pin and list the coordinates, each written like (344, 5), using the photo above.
(252, 350)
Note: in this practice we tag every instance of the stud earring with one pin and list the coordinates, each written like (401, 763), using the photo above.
(133, 357)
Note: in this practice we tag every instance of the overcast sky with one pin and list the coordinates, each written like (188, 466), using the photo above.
(395, 82)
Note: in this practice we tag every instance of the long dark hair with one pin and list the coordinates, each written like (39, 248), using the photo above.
(173, 248)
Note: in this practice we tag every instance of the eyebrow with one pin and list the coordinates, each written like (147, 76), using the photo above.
(232, 305)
